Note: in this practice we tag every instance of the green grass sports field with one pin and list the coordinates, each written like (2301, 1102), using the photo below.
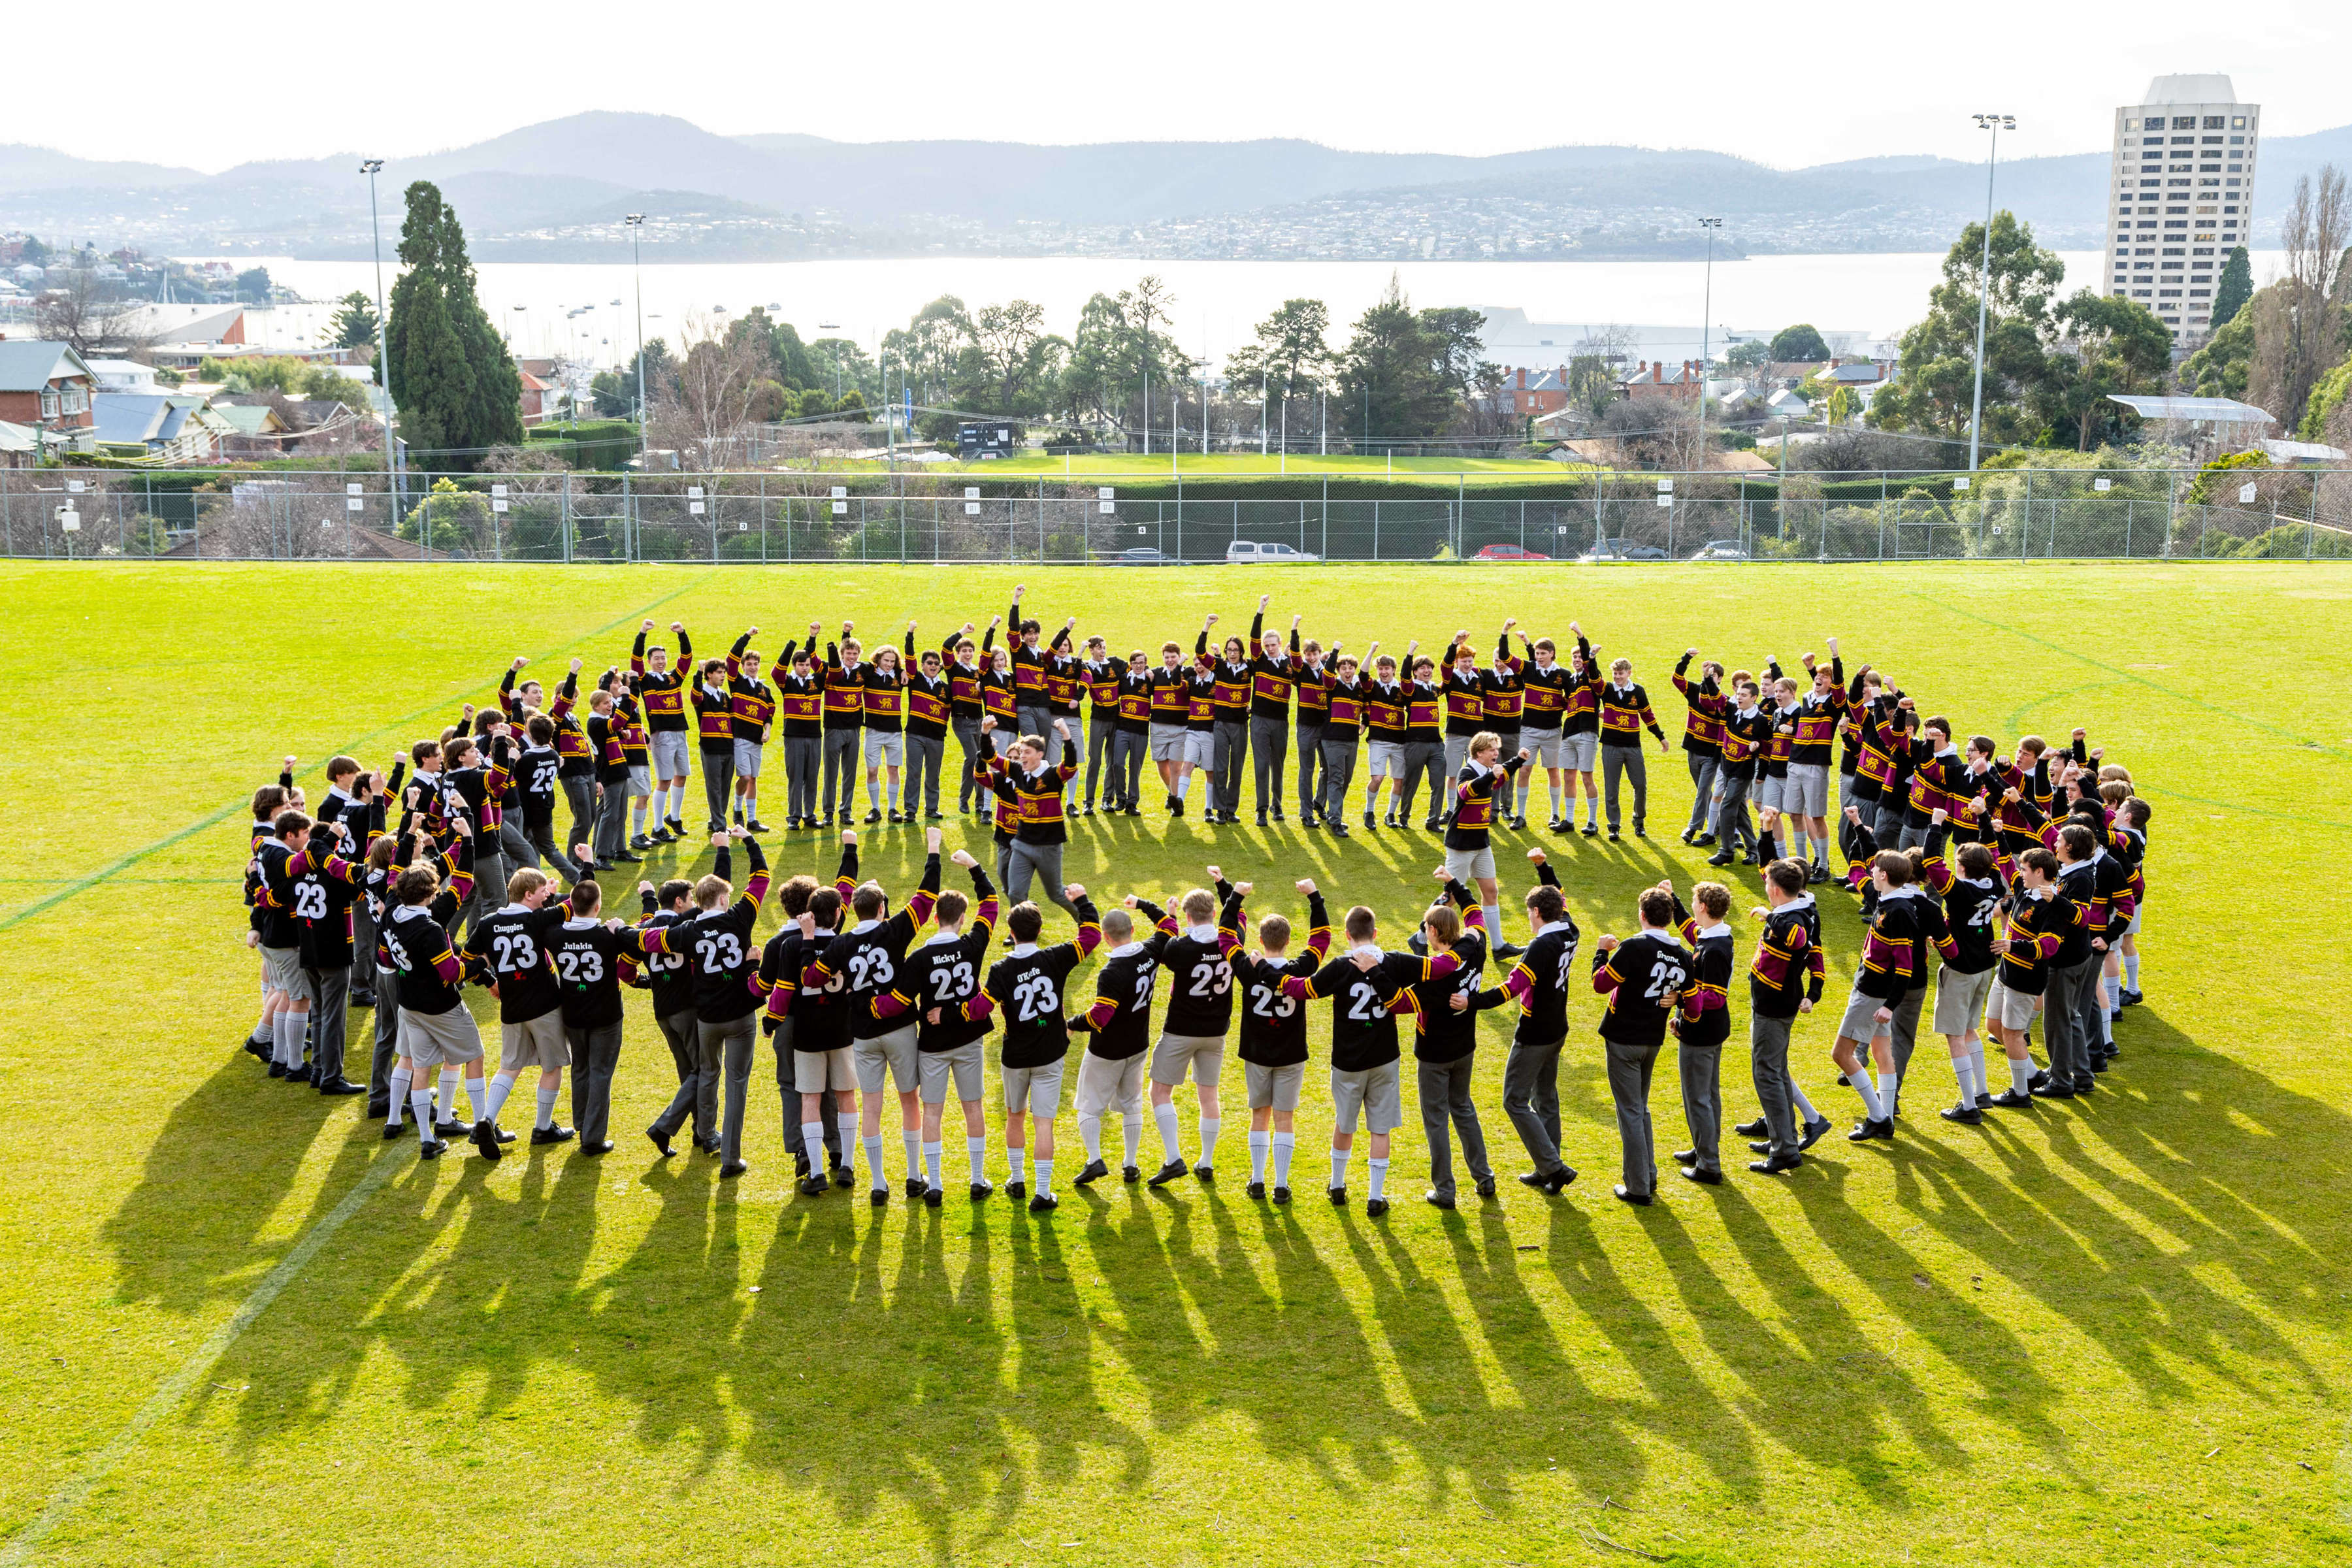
(242, 1328)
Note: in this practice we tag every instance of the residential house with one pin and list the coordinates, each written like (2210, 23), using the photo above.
(538, 405)
(1786, 404)
(20, 446)
(123, 375)
(1655, 380)
(1534, 391)
(167, 427)
(46, 384)
(1862, 377)
(255, 430)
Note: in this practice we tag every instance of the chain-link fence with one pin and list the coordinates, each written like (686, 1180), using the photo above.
(1157, 518)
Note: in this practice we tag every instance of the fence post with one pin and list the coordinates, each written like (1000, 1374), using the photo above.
(1376, 528)
(567, 519)
(2128, 522)
(1882, 514)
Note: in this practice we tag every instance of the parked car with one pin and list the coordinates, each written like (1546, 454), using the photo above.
(1509, 553)
(1624, 550)
(1141, 555)
(1720, 550)
(1256, 554)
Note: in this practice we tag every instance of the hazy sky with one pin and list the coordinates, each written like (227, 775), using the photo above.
(1788, 85)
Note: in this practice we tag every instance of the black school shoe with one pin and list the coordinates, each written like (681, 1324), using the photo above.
(1094, 1171)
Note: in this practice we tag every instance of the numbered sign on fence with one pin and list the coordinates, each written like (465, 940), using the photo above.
(498, 506)
(694, 492)
(1666, 486)
(1104, 493)
(1961, 483)
(500, 492)
(694, 508)
(841, 509)
(1665, 500)
(1109, 509)
(971, 492)
(839, 491)
(741, 526)
(971, 509)
(351, 489)
(352, 503)
(2246, 494)
(2103, 485)
(73, 488)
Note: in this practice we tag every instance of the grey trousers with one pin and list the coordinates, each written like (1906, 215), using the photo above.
(1232, 750)
(1037, 721)
(580, 790)
(514, 844)
(1102, 734)
(1024, 861)
(1702, 773)
(1338, 773)
(730, 1048)
(1768, 1062)
(1701, 1072)
(1128, 751)
(596, 1052)
(1616, 762)
(1846, 789)
(1445, 1093)
(489, 895)
(1906, 1028)
(1269, 750)
(1422, 758)
(925, 754)
(1629, 1085)
(2063, 1015)
(1911, 838)
(611, 820)
(542, 834)
(1311, 770)
(719, 786)
(1886, 824)
(800, 774)
(330, 990)
(698, 1086)
(838, 793)
(968, 735)
(1531, 1100)
(1732, 828)
(363, 970)
(387, 1036)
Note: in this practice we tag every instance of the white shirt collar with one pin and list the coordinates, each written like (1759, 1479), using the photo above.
(1024, 949)
(1801, 901)
(1718, 928)
(941, 938)
(1561, 925)
(516, 910)
(1206, 935)
(1123, 949)
(1368, 948)
(585, 924)
(862, 927)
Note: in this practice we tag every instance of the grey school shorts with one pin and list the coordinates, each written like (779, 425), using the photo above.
(1372, 1091)
(281, 970)
(2013, 1010)
(641, 779)
(1387, 759)
(1273, 1088)
(1467, 864)
(1104, 1082)
(1579, 751)
(893, 1051)
(1203, 1054)
(1806, 790)
(1168, 744)
(1543, 747)
(814, 1072)
(534, 1043)
(962, 1063)
(885, 746)
(747, 759)
(1201, 748)
(1040, 1087)
(1960, 1000)
(1765, 794)
(1860, 1019)
(669, 750)
(433, 1040)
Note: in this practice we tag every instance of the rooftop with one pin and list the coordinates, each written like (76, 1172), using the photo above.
(2211, 88)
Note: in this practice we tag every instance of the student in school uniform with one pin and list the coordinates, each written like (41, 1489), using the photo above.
(1273, 1045)
(1644, 978)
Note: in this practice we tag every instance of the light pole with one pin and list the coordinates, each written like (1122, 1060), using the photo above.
(372, 167)
(1706, 308)
(636, 223)
(1996, 123)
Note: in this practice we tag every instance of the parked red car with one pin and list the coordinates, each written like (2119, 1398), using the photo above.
(1509, 552)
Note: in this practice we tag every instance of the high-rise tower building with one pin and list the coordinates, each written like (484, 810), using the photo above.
(2181, 196)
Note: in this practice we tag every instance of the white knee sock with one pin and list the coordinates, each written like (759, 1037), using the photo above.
(265, 1032)
(2131, 971)
(1171, 1136)
(1183, 784)
(1493, 915)
(420, 1105)
(845, 1124)
(397, 1102)
(1045, 1175)
(2113, 984)
(874, 1176)
(1340, 1167)
(1380, 1178)
(1132, 1134)
(477, 1096)
(500, 1086)
(546, 1108)
(1890, 1090)
(2020, 1075)
(638, 818)
(1965, 1071)
(1804, 1106)
(1014, 1155)
(914, 1142)
(1090, 1134)
(931, 1163)
(975, 1153)
(446, 1105)
(289, 1031)
(1260, 1146)
(1209, 1127)
(1977, 1064)
(1871, 1103)
(813, 1141)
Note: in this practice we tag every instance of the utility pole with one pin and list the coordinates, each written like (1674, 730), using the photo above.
(1706, 308)
(372, 167)
(636, 224)
(1996, 123)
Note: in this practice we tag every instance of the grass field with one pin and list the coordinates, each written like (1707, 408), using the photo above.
(2110, 1332)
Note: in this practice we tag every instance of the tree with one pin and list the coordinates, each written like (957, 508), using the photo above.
(1935, 385)
(2299, 321)
(1749, 354)
(1102, 376)
(456, 387)
(253, 285)
(93, 315)
(354, 325)
(2218, 368)
(715, 394)
(1290, 358)
(2106, 346)
(1803, 343)
(1398, 374)
(2236, 287)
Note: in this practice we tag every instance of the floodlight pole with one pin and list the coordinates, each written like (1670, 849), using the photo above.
(371, 167)
(1706, 308)
(1996, 123)
(636, 223)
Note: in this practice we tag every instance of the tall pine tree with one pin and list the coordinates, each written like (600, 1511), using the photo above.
(2237, 286)
(450, 375)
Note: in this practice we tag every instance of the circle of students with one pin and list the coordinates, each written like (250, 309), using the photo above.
(2024, 875)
